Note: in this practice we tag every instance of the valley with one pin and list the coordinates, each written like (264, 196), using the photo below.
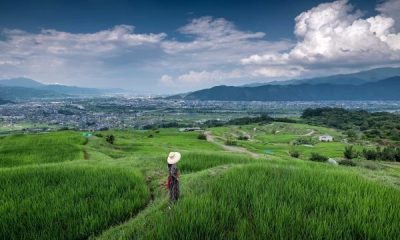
(118, 190)
(203, 120)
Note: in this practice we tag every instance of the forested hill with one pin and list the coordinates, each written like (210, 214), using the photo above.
(14, 93)
(25, 89)
(378, 125)
(387, 89)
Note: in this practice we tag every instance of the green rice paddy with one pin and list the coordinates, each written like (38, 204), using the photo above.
(63, 186)
(67, 202)
(19, 150)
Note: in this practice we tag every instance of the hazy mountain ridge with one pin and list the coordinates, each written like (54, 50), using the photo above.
(23, 93)
(357, 78)
(21, 82)
(386, 89)
(24, 88)
(2, 101)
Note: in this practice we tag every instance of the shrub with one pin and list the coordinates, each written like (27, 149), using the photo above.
(150, 136)
(99, 135)
(397, 155)
(351, 133)
(294, 153)
(370, 154)
(388, 154)
(110, 139)
(243, 137)
(202, 136)
(349, 152)
(230, 142)
(385, 154)
(304, 141)
(318, 157)
(347, 162)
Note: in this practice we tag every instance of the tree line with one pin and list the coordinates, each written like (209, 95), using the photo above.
(377, 125)
(389, 153)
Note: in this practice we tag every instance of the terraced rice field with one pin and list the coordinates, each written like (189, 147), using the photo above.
(64, 186)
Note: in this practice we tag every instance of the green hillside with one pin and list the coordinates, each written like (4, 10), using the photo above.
(18, 150)
(64, 186)
(67, 202)
(274, 202)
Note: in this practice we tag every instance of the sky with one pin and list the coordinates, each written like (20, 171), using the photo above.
(173, 46)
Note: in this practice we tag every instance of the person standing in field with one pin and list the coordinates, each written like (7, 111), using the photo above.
(173, 177)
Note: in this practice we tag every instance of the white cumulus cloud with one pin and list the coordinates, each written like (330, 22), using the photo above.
(49, 41)
(213, 52)
(215, 42)
(72, 58)
(335, 35)
(203, 77)
(391, 8)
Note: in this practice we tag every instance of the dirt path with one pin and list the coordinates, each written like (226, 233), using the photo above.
(310, 133)
(211, 138)
(86, 155)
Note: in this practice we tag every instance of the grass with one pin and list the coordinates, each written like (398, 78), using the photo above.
(259, 201)
(119, 192)
(277, 138)
(199, 161)
(19, 150)
(66, 202)
(128, 143)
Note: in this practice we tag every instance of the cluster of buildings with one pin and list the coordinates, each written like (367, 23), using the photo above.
(57, 115)
(124, 112)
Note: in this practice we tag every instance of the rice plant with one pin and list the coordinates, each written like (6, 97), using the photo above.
(40, 148)
(67, 202)
(257, 201)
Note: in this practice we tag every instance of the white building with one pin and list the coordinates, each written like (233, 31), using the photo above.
(326, 138)
(190, 129)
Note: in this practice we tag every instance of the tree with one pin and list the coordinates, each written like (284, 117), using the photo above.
(351, 133)
(110, 139)
(370, 154)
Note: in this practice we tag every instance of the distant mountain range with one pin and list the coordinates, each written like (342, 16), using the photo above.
(24, 88)
(374, 84)
(346, 79)
(387, 89)
(4, 101)
(23, 93)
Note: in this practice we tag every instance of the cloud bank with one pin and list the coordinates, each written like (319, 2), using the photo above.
(329, 38)
(72, 58)
(334, 35)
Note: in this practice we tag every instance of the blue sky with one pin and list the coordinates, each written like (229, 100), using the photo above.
(176, 46)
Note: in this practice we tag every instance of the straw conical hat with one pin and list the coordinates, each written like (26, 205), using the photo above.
(173, 157)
